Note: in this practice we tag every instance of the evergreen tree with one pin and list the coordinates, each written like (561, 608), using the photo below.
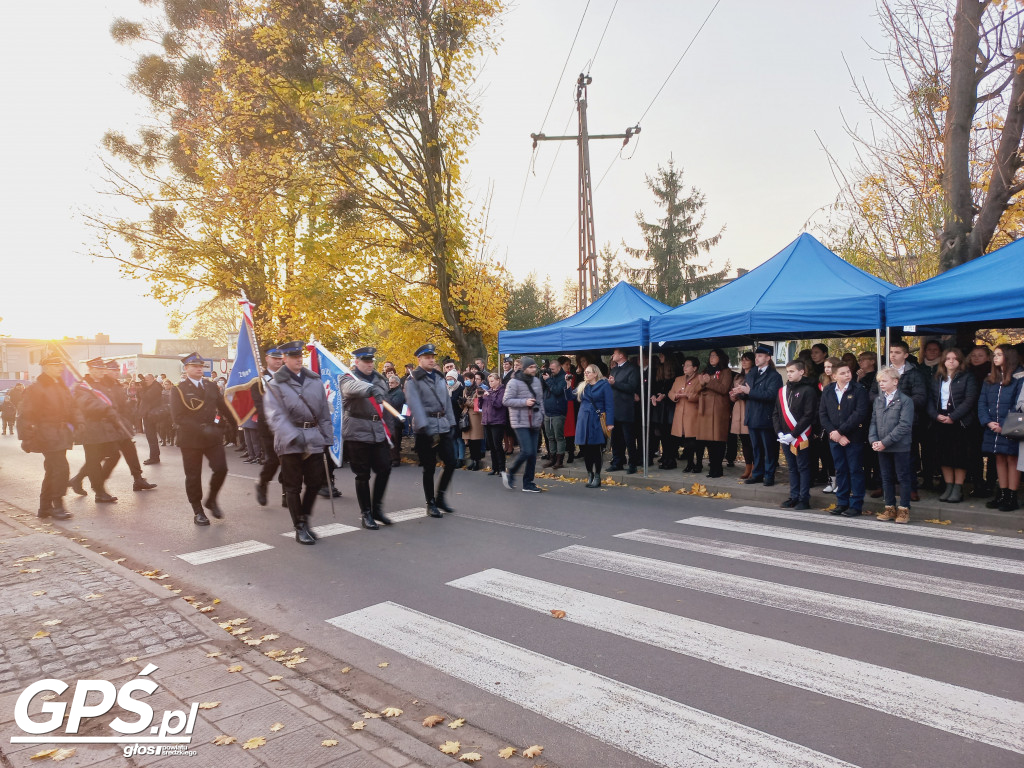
(670, 271)
(611, 270)
(530, 305)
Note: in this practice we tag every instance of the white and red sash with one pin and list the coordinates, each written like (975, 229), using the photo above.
(803, 440)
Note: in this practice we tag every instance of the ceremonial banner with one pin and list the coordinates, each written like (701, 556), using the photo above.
(245, 370)
(331, 370)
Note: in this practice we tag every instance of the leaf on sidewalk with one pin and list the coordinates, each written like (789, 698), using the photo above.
(450, 747)
(236, 668)
(269, 637)
(254, 641)
(275, 654)
(358, 725)
(93, 596)
(458, 723)
(44, 754)
(62, 754)
(470, 757)
(214, 654)
(129, 659)
(39, 593)
(274, 678)
(207, 609)
(391, 712)
(384, 664)
(120, 559)
(209, 705)
(52, 622)
(370, 716)
(432, 720)
(30, 570)
(276, 727)
(329, 743)
(346, 670)
(39, 635)
(297, 650)
(223, 740)
(506, 753)
(254, 743)
(533, 751)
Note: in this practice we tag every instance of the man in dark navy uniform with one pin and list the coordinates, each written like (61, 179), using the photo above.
(199, 412)
(365, 434)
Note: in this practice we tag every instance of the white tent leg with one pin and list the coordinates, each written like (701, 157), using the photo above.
(643, 409)
(878, 346)
(884, 360)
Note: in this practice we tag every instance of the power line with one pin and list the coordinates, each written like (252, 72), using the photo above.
(678, 62)
(594, 57)
(566, 64)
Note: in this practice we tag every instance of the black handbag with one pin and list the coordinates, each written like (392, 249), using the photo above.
(464, 422)
(1013, 426)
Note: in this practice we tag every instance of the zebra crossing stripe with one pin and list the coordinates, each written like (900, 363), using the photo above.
(959, 633)
(331, 529)
(865, 524)
(913, 551)
(1002, 597)
(965, 712)
(644, 724)
(204, 556)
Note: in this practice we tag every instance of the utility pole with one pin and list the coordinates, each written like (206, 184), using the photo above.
(587, 290)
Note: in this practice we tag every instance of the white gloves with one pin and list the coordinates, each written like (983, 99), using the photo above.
(786, 438)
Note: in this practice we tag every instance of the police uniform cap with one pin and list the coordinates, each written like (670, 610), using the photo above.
(96, 362)
(275, 352)
(112, 365)
(194, 359)
(365, 353)
(293, 348)
(51, 360)
(426, 349)
(764, 349)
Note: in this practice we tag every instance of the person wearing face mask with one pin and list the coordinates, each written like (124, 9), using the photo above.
(456, 388)
(843, 413)
(473, 436)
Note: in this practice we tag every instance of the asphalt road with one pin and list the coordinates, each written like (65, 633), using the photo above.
(693, 635)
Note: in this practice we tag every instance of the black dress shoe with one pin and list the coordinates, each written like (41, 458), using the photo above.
(801, 505)
(368, 522)
(441, 504)
(380, 517)
(261, 494)
(141, 484)
(335, 493)
(614, 467)
(753, 480)
(433, 511)
(852, 513)
(304, 536)
(631, 469)
(201, 518)
(105, 498)
(788, 503)
(493, 472)
(838, 510)
(76, 486)
(60, 514)
(714, 474)
(215, 510)
(768, 483)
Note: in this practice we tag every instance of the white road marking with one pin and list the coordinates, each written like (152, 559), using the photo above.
(204, 556)
(1002, 597)
(868, 523)
(407, 514)
(644, 724)
(966, 559)
(959, 633)
(242, 477)
(965, 712)
(524, 527)
(331, 529)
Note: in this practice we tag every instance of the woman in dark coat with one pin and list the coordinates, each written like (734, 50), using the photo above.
(662, 412)
(594, 395)
(494, 418)
(953, 407)
(396, 399)
(998, 395)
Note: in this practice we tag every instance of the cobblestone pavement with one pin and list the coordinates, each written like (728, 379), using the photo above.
(71, 614)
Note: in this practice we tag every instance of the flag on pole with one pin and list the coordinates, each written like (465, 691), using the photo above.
(331, 371)
(244, 371)
(70, 375)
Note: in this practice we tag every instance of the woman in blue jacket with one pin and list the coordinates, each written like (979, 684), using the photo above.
(998, 394)
(595, 397)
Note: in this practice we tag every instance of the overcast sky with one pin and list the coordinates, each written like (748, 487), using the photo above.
(740, 116)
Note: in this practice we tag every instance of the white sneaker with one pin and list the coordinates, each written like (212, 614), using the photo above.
(508, 481)
(830, 487)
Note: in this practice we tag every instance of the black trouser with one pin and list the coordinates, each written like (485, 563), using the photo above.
(929, 451)
(623, 443)
(693, 451)
(152, 428)
(495, 434)
(192, 461)
(430, 448)
(270, 461)
(669, 446)
(592, 457)
(8, 424)
(748, 449)
(732, 447)
(100, 460)
(131, 456)
(55, 478)
(716, 453)
(364, 457)
(296, 472)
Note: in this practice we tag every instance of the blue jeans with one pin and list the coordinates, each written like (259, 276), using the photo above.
(765, 445)
(799, 474)
(529, 440)
(458, 443)
(848, 460)
(893, 467)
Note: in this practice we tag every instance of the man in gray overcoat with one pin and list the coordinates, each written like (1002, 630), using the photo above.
(365, 435)
(433, 418)
(297, 410)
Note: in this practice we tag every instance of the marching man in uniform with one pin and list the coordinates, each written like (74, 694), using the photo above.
(298, 414)
(366, 435)
(427, 396)
(199, 412)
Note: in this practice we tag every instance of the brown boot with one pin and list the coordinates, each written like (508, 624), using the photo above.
(747, 469)
(902, 515)
(549, 462)
(888, 514)
(559, 461)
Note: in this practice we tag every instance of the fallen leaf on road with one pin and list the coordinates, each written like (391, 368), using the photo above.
(207, 609)
(433, 720)
(120, 560)
(30, 570)
(269, 637)
(44, 753)
(216, 600)
(383, 664)
(93, 596)
(450, 747)
(457, 723)
(236, 668)
(209, 705)
(358, 726)
(558, 614)
(39, 593)
(275, 654)
(52, 622)
(40, 634)
(189, 598)
(471, 757)
(223, 740)
(329, 743)
(252, 641)
(62, 754)
(241, 630)
(506, 753)
(665, 488)
(391, 712)
(533, 751)
(254, 743)
(937, 522)
(276, 727)
(346, 670)
(292, 662)
(297, 650)
(129, 659)
(370, 716)
(213, 654)
(274, 678)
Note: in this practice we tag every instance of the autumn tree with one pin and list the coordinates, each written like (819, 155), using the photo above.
(670, 269)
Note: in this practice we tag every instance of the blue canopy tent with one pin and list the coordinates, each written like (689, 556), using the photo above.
(985, 292)
(803, 292)
(620, 318)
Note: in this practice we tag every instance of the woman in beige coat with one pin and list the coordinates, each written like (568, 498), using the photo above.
(474, 436)
(737, 428)
(713, 409)
(684, 421)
